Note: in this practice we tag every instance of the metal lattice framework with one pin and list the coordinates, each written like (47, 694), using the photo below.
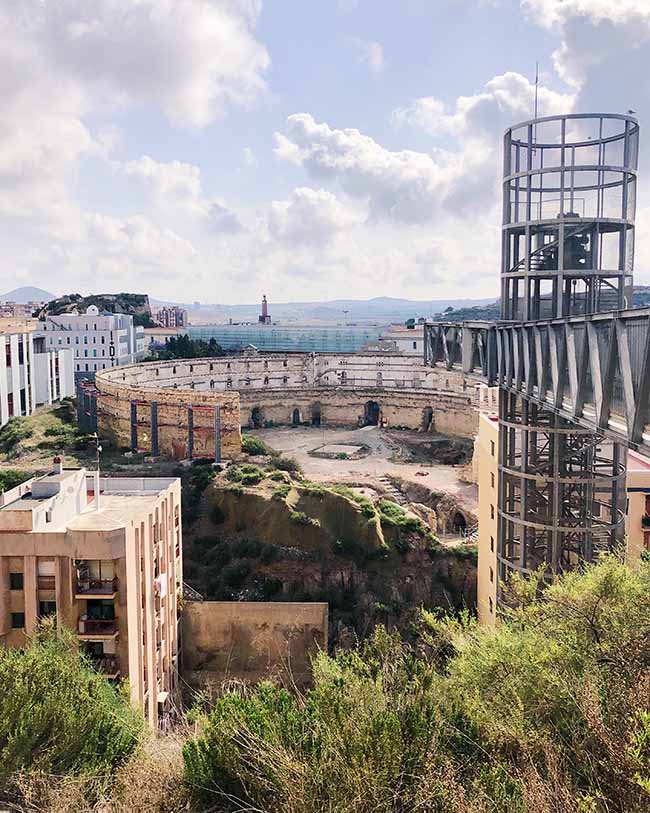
(571, 363)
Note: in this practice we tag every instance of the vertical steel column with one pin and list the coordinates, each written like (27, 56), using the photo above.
(190, 432)
(154, 428)
(134, 426)
(217, 434)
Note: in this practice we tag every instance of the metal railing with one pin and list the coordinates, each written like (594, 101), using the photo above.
(98, 587)
(97, 626)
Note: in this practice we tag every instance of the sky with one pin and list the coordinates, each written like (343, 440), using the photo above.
(212, 150)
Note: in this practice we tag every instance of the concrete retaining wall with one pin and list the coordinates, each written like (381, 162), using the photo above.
(250, 640)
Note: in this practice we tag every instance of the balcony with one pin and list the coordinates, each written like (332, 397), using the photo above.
(96, 588)
(91, 629)
(46, 582)
(107, 666)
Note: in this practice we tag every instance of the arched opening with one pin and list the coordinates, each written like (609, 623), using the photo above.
(295, 417)
(315, 414)
(459, 523)
(371, 413)
(256, 417)
(427, 419)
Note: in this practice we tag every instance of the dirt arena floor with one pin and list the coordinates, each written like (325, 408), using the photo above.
(389, 454)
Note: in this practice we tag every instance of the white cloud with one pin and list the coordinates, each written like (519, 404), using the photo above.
(370, 53)
(404, 186)
(504, 100)
(188, 57)
(311, 216)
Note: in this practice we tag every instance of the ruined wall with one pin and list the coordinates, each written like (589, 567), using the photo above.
(250, 640)
(446, 412)
(277, 388)
(114, 416)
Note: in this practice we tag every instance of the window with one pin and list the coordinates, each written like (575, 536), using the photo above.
(85, 339)
(491, 576)
(284, 363)
(67, 340)
(46, 608)
(266, 379)
(492, 544)
(491, 512)
(78, 367)
(15, 581)
(95, 356)
(492, 448)
(86, 368)
(492, 478)
(85, 354)
(415, 345)
(18, 621)
(94, 339)
(76, 339)
(103, 339)
(491, 604)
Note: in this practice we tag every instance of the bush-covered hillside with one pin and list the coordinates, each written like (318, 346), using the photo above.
(135, 304)
(549, 713)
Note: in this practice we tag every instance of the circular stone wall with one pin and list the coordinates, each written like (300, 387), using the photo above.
(175, 407)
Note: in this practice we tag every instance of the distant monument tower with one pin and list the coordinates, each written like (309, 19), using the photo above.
(264, 318)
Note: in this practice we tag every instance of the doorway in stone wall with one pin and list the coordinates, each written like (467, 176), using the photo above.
(371, 413)
(427, 419)
(315, 414)
(295, 417)
(256, 417)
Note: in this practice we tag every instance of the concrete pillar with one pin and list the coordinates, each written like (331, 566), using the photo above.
(30, 583)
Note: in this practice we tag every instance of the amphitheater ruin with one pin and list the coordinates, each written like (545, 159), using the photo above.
(197, 407)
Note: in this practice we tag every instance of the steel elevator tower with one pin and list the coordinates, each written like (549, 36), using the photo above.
(569, 200)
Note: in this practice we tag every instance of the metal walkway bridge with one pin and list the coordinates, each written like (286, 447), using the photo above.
(593, 370)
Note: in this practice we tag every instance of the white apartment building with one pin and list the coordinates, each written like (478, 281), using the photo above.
(98, 340)
(30, 374)
(409, 340)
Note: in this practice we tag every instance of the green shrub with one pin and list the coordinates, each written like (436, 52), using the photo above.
(252, 445)
(393, 514)
(9, 478)
(300, 518)
(57, 715)
(12, 433)
(547, 712)
(367, 508)
(281, 492)
(314, 489)
(279, 476)
(248, 474)
(236, 573)
(282, 463)
(54, 431)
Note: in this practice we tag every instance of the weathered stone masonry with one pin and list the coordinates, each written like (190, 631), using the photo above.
(176, 407)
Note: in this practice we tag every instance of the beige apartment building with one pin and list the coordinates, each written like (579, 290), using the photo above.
(486, 453)
(105, 556)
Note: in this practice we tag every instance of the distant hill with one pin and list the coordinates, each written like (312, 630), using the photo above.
(379, 309)
(137, 305)
(27, 294)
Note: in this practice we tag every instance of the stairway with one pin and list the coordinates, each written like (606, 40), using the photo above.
(392, 492)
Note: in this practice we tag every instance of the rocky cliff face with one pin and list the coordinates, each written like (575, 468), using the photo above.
(291, 542)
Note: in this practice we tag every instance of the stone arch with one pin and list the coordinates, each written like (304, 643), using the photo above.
(458, 522)
(295, 417)
(427, 419)
(316, 413)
